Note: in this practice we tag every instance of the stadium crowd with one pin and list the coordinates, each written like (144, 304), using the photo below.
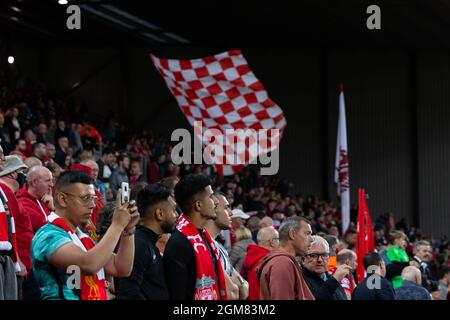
(187, 233)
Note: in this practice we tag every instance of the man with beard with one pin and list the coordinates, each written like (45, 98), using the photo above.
(159, 216)
(237, 287)
(191, 260)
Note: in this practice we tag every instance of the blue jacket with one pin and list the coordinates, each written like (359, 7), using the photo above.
(383, 292)
(411, 291)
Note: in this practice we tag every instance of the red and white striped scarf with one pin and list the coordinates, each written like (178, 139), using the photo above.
(206, 286)
(93, 287)
(8, 241)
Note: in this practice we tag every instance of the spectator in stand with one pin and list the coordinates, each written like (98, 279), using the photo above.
(51, 152)
(12, 123)
(30, 139)
(5, 138)
(31, 162)
(422, 257)
(239, 250)
(411, 288)
(120, 174)
(60, 244)
(50, 135)
(315, 268)
(158, 213)
(348, 258)
(39, 150)
(238, 219)
(435, 265)
(10, 261)
(11, 170)
(74, 138)
(266, 222)
(194, 274)
(444, 282)
(253, 225)
(41, 135)
(374, 286)
(99, 186)
(333, 243)
(396, 257)
(61, 130)
(136, 172)
(237, 287)
(20, 148)
(56, 171)
(380, 240)
(280, 276)
(62, 150)
(105, 165)
(35, 196)
(268, 240)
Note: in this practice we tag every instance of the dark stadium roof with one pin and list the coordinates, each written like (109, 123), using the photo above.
(233, 23)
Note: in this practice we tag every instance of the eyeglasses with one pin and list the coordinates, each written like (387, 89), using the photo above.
(316, 256)
(87, 199)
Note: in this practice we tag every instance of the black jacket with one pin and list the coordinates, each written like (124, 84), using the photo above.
(180, 266)
(330, 289)
(383, 292)
(427, 280)
(147, 280)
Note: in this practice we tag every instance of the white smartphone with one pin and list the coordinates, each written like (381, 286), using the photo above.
(125, 192)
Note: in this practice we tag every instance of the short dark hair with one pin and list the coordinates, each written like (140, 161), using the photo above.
(36, 145)
(372, 259)
(72, 176)
(122, 156)
(332, 240)
(135, 188)
(151, 195)
(188, 188)
(442, 271)
(107, 151)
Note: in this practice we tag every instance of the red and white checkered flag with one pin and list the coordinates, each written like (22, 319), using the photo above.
(222, 94)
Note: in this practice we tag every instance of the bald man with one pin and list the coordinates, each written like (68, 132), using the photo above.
(268, 240)
(31, 162)
(100, 188)
(346, 257)
(411, 288)
(35, 196)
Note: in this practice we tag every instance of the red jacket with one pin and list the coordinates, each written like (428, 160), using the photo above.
(24, 233)
(33, 206)
(254, 255)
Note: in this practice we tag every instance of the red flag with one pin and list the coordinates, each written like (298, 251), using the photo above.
(222, 93)
(365, 238)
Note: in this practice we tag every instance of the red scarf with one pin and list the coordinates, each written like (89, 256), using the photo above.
(206, 287)
(93, 287)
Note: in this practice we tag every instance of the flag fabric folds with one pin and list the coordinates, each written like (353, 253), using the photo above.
(365, 237)
(221, 92)
(341, 173)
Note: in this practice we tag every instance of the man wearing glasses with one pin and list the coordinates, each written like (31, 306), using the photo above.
(315, 265)
(66, 262)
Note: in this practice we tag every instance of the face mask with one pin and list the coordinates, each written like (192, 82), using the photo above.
(21, 179)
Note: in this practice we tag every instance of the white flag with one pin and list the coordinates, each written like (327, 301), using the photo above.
(341, 176)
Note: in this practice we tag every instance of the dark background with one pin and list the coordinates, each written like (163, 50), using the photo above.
(396, 81)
